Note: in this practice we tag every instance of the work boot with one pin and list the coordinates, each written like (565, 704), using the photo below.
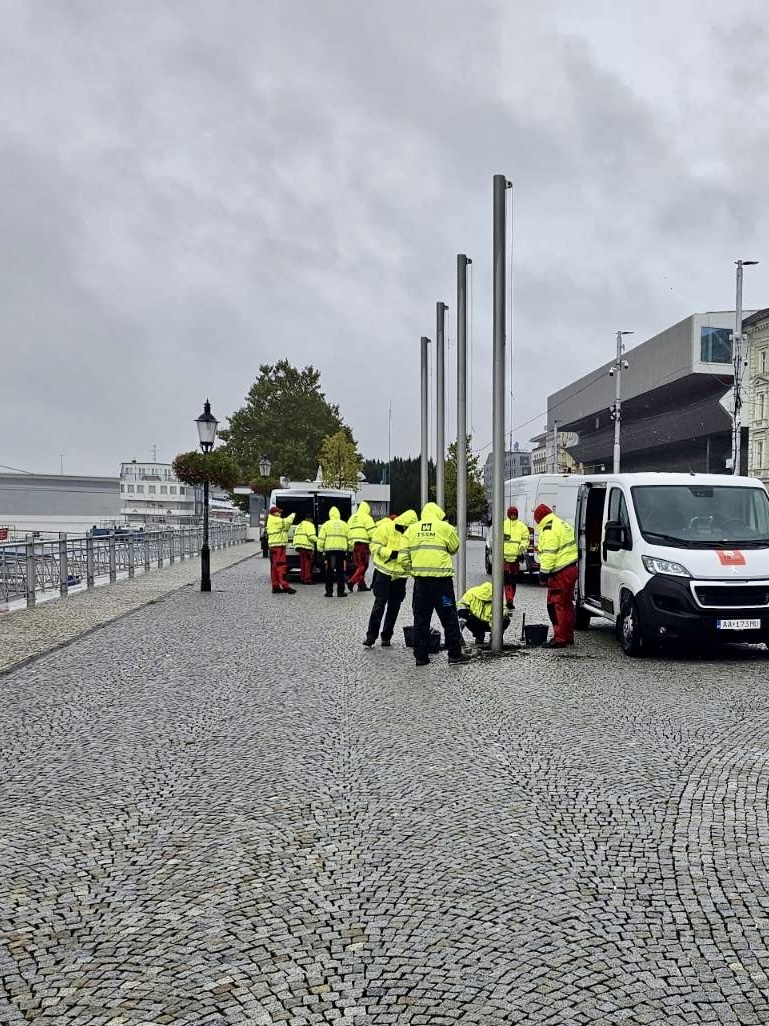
(341, 594)
(289, 590)
(422, 662)
(386, 643)
(554, 644)
(369, 642)
(328, 594)
(363, 587)
(277, 591)
(510, 604)
(461, 658)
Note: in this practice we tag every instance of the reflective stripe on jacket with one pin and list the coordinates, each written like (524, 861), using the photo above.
(479, 601)
(429, 544)
(516, 539)
(277, 529)
(334, 535)
(305, 536)
(557, 546)
(387, 541)
(361, 524)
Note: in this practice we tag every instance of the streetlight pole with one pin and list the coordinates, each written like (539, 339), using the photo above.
(207, 424)
(739, 360)
(615, 371)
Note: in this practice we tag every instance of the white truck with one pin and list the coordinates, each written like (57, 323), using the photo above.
(669, 557)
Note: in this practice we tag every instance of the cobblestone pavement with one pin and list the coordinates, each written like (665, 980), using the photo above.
(223, 809)
(27, 633)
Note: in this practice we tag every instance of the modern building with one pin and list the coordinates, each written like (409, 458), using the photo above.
(151, 493)
(517, 463)
(756, 328)
(55, 502)
(672, 419)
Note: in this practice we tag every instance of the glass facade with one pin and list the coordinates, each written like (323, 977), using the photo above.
(716, 345)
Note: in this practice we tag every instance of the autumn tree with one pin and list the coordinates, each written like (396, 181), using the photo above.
(340, 460)
(286, 417)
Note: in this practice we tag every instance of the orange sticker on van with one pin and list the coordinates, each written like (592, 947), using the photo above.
(730, 557)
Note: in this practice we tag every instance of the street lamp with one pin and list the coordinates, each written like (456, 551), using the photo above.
(265, 467)
(739, 360)
(207, 424)
(615, 370)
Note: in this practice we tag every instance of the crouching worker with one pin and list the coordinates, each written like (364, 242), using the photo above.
(305, 542)
(475, 612)
(389, 582)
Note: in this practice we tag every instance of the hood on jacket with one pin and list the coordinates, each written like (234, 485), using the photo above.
(407, 518)
(484, 591)
(432, 511)
(333, 514)
(364, 508)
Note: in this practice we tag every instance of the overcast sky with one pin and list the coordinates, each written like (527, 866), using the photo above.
(189, 189)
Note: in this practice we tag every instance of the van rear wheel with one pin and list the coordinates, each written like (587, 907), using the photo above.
(629, 628)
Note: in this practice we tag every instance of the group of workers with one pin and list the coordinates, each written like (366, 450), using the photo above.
(421, 547)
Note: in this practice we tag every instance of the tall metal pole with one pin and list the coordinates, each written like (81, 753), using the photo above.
(440, 406)
(462, 262)
(617, 403)
(739, 360)
(616, 370)
(425, 399)
(498, 410)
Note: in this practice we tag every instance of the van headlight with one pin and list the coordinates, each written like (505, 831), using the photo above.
(655, 565)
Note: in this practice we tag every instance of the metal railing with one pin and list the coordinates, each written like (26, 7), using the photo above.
(35, 566)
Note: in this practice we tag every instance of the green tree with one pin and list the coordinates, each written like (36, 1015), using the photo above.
(286, 417)
(404, 480)
(477, 506)
(340, 460)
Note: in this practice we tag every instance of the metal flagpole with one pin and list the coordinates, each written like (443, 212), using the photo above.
(462, 262)
(425, 399)
(498, 409)
(440, 406)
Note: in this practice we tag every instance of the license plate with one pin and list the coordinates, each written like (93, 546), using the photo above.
(738, 625)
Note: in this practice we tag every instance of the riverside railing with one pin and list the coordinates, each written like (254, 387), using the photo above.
(72, 562)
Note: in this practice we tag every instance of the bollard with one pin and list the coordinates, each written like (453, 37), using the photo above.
(182, 543)
(146, 552)
(130, 555)
(63, 565)
(112, 564)
(31, 571)
(89, 560)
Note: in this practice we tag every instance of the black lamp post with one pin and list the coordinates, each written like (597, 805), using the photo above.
(207, 424)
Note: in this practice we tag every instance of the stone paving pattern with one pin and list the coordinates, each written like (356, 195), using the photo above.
(223, 809)
(26, 633)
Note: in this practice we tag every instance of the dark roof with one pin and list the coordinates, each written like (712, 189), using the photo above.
(759, 315)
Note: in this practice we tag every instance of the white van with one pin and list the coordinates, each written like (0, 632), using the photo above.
(558, 491)
(315, 501)
(674, 556)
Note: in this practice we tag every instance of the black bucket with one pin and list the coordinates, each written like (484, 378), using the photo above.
(535, 634)
(435, 639)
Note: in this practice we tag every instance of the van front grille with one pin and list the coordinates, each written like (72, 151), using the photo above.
(743, 596)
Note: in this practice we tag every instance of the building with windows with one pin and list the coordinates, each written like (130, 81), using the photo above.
(150, 493)
(517, 464)
(756, 328)
(50, 503)
(672, 418)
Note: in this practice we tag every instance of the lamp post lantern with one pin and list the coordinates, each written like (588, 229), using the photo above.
(207, 424)
(265, 467)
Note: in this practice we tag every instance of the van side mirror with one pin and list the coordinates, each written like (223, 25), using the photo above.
(615, 537)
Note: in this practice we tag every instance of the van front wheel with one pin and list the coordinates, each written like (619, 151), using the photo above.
(629, 628)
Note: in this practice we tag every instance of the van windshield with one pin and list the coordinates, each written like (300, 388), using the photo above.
(697, 516)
